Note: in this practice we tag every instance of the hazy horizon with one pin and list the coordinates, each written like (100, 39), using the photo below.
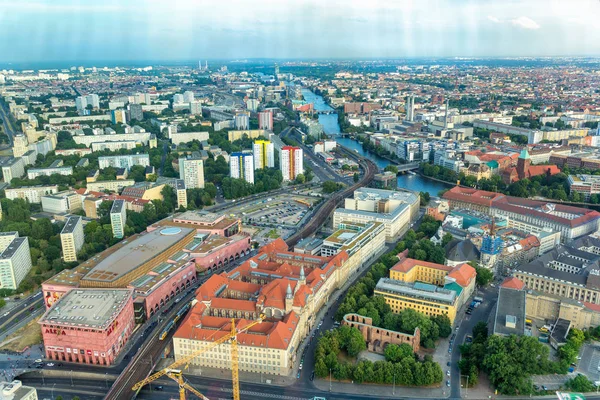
(181, 30)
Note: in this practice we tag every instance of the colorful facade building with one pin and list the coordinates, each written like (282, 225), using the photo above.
(88, 326)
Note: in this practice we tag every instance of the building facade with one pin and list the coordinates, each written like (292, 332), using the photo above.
(291, 160)
(124, 161)
(118, 218)
(32, 194)
(241, 166)
(15, 260)
(71, 238)
(264, 154)
(191, 171)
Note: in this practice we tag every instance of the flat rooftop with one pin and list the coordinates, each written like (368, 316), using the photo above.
(117, 206)
(135, 253)
(341, 236)
(199, 216)
(510, 307)
(12, 248)
(94, 308)
(71, 224)
(417, 290)
(380, 194)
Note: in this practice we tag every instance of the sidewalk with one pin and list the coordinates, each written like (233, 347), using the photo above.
(382, 390)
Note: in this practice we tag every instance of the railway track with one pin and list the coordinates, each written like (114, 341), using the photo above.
(328, 206)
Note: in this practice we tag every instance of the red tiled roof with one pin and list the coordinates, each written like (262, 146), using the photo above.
(475, 196)
(233, 304)
(463, 274)
(529, 242)
(513, 283)
(406, 264)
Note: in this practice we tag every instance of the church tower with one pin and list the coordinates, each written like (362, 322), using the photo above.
(523, 163)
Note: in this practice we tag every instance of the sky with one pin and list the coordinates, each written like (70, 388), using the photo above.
(137, 30)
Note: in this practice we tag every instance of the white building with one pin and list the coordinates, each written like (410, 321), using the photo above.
(396, 210)
(82, 102)
(118, 218)
(15, 390)
(13, 168)
(114, 146)
(191, 170)
(32, 194)
(71, 238)
(242, 121)
(15, 260)
(177, 98)
(265, 120)
(111, 186)
(241, 166)
(291, 162)
(63, 202)
(195, 108)
(188, 96)
(125, 161)
(185, 137)
(87, 140)
(264, 154)
(35, 172)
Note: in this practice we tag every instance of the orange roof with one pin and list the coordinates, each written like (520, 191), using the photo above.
(406, 264)
(469, 195)
(233, 304)
(535, 170)
(529, 242)
(244, 287)
(513, 283)
(209, 289)
(81, 191)
(463, 274)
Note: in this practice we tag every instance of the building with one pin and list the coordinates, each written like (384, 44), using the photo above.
(88, 326)
(124, 161)
(459, 278)
(12, 168)
(142, 138)
(309, 245)
(212, 252)
(291, 162)
(118, 218)
(386, 180)
(71, 238)
(114, 146)
(15, 259)
(180, 189)
(241, 166)
(378, 338)
(585, 185)
(524, 169)
(178, 138)
(288, 288)
(205, 221)
(15, 390)
(395, 210)
(510, 308)
(135, 112)
(362, 242)
(191, 171)
(232, 136)
(264, 154)
(242, 120)
(471, 199)
(110, 186)
(82, 102)
(32, 194)
(118, 116)
(533, 216)
(35, 172)
(62, 202)
(265, 120)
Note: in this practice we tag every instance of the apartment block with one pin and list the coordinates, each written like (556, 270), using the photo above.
(32, 194)
(71, 238)
(15, 260)
(191, 171)
(241, 166)
(264, 154)
(118, 218)
(124, 161)
(291, 160)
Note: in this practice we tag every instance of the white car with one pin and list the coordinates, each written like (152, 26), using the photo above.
(50, 364)
(448, 372)
(6, 314)
(39, 360)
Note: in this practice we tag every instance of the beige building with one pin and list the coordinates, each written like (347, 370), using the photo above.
(71, 238)
(191, 171)
(32, 194)
(251, 133)
(396, 210)
(111, 186)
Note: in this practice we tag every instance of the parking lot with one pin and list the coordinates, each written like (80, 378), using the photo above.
(279, 211)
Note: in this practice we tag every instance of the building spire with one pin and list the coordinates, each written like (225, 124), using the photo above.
(288, 292)
(302, 277)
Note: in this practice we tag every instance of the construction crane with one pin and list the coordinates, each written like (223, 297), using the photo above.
(172, 372)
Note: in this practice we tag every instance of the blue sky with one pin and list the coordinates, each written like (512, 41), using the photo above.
(64, 30)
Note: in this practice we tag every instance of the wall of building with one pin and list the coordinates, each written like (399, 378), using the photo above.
(378, 338)
(216, 259)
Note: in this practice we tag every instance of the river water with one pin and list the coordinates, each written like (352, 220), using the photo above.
(332, 128)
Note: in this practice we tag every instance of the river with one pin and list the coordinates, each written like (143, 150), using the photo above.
(332, 128)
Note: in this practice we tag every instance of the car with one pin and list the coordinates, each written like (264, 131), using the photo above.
(31, 308)
(300, 367)
(298, 376)
(448, 373)
(448, 383)
(39, 360)
(50, 364)
(448, 363)
(6, 314)
(544, 387)
(39, 366)
(158, 388)
(312, 376)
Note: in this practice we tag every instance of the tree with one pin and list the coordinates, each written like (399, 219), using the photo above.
(447, 238)
(356, 177)
(391, 168)
(484, 276)
(300, 178)
(169, 197)
(580, 384)
(330, 186)
(396, 353)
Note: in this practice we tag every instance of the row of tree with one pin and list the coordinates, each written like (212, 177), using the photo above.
(510, 361)
(401, 367)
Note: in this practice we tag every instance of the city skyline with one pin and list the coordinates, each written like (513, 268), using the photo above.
(137, 31)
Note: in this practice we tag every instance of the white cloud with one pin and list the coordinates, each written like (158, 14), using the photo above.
(526, 23)
(494, 19)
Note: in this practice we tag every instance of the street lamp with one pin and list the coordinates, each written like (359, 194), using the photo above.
(330, 379)
(467, 386)
(394, 389)
(53, 391)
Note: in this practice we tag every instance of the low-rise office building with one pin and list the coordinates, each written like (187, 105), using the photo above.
(62, 202)
(395, 210)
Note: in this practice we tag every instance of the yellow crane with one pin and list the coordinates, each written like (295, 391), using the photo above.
(172, 372)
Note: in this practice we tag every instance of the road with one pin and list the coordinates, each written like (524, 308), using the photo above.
(9, 129)
(163, 158)
(16, 313)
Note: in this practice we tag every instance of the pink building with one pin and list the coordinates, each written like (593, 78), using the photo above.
(207, 222)
(214, 252)
(265, 120)
(163, 283)
(88, 326)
